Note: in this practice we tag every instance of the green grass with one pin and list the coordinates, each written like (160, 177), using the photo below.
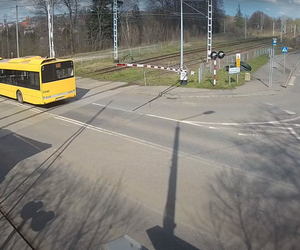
(164, 78)
(223, 76)
(154, 77)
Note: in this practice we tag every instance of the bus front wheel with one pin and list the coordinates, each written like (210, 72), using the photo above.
(19, 96)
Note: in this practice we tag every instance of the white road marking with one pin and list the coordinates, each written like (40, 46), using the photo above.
(156, 146)
(111, 108)
(293, 132)
(144, 114)
(199, 123)
(290, 112)
(291, 82)
(271, 131)
(281, 122)
(190, 103)
(193, 123)
(242, 134)
(270, 104)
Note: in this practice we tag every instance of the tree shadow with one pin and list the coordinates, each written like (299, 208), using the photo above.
(256, 205)
(88, 212)
(39, 219)
(80, 214)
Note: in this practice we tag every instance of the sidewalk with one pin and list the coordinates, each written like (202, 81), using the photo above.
(257, 86)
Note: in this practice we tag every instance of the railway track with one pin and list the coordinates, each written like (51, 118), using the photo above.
(195, 62)
(262, 42)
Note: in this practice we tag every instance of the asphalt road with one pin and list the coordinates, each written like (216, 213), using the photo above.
(213, 173)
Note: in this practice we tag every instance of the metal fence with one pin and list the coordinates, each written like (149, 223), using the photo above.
(208, 68)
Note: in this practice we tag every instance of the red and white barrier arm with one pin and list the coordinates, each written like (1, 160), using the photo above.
(146, 66)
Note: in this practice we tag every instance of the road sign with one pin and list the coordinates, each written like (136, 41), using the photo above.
(238, 60)
(274, 41)
(235, 70)
(284, 49)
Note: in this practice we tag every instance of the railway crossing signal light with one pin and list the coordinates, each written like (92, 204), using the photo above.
(221, 54)
(214, 55)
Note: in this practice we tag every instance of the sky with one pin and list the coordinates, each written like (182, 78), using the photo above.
(273, 8)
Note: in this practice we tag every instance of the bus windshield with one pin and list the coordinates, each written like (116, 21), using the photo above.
(57, 71)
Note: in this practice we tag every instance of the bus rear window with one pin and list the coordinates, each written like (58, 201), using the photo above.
(57, 71)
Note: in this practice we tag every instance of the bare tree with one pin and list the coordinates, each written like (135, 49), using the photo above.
(40, 6)
(73, 9)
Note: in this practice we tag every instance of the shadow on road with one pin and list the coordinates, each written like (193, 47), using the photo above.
(158, 96)
(39, 219)
(164, 238)
(256, 205)
(81, 213)
(84, 212)
(14, 148)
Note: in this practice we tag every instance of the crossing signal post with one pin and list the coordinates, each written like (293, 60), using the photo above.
(214, 55)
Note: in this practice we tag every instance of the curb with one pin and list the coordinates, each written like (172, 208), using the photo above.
(170, 96)
(290, 75)
(272, 91)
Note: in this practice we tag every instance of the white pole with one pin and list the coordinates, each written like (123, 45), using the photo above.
(52, 28)
(181, 36)
(17, 29)
(215, 72)
(49, 28)
(281, 31)
(209, 29)
(115, 24)
(284, 64)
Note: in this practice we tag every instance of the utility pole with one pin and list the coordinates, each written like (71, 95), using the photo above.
(209, 29)
(50, 30)
(246, 32)
(7, 39)
(115, 24)
(17, 28)
(181, 35)
(281, 30)
(52, 17)
(295, 27)
(224, 26)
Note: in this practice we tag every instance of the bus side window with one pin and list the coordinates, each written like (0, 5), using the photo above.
(10, 77)
(2, 76)
(34, 80)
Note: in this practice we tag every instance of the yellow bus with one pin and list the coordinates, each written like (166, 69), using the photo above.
(37, 80)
